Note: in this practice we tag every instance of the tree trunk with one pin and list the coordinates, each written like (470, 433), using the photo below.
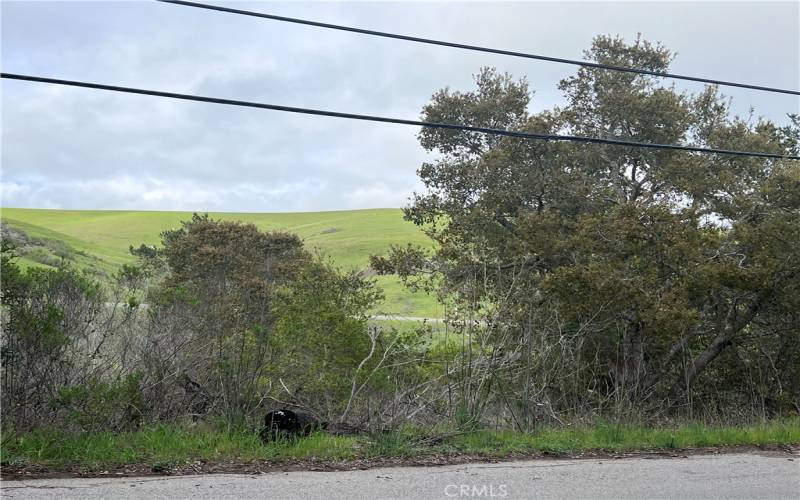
(719, 344)
(734, 322)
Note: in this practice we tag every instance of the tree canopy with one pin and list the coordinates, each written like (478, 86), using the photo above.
(661, 262)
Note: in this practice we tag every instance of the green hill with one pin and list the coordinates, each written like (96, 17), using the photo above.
(100, 239)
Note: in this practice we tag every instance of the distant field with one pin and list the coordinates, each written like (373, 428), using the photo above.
(348, 237)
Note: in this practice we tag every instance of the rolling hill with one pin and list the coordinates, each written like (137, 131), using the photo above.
(100, 239)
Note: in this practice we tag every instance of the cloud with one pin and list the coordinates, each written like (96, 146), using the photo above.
(150, 193)
(76, 148)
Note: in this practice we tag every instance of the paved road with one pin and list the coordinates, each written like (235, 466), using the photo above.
(722, 476)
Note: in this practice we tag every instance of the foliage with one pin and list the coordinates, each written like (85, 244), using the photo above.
(49, 317)
(348, 237)
(222, 320)
(321, 335)
(582, 285)
(659, 278)
(97, 406)
(262, 321)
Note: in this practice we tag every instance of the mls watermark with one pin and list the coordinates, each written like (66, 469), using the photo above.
(476, 490)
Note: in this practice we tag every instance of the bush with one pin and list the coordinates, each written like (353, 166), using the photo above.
(97, 406)
(48, 326)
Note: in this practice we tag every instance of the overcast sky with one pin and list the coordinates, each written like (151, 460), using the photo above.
(75, 148)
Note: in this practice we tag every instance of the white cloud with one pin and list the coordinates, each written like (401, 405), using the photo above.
(376, 195)
(127, 192)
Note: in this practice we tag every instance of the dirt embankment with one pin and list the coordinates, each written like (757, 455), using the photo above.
(234, 466)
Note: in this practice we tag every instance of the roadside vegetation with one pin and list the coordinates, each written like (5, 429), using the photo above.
(594, 298)
(167, 447)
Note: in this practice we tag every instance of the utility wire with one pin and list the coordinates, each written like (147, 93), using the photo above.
(464, 46)
(383, 119)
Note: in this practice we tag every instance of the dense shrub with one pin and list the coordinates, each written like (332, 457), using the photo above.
(49, 339)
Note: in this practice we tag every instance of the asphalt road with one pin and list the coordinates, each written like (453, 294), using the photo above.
(745, 476)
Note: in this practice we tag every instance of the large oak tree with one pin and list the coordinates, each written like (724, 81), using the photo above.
(663, 261)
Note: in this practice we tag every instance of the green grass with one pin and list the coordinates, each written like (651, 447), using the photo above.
(347, 237)
(166, 446)
(163, 445)
(619, 438)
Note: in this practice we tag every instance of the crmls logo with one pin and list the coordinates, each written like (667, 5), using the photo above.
(474, 490)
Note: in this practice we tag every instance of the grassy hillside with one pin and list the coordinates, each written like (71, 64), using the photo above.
(102, 237)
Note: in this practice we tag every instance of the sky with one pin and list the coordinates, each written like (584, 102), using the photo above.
(74, 148)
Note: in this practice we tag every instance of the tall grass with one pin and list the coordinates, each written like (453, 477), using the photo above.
(170, 445)
(164, 444)
(626, 437)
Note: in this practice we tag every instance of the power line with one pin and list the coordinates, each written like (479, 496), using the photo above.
(383, 119)
(464, 46)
